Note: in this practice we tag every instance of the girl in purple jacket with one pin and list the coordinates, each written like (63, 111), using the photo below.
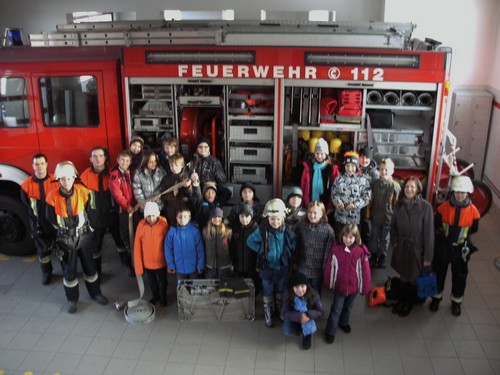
(347, 272)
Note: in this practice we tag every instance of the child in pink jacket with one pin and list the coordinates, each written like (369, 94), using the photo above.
(347, 272)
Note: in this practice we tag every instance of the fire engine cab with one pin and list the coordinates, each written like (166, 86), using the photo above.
(264, 92)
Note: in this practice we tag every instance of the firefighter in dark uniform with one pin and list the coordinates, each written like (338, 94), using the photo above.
(456, 220)
(103, 214)
(33, 193)
(67, 211)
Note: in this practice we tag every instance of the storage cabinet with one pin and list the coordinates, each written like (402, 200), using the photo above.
(250, 120)
(152, 109)
(470, 122)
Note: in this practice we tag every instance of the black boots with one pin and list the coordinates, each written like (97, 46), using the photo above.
(46, 278)
(306, 342)
(456, 309)
(405, 303)
(434, 305)
(126, 263)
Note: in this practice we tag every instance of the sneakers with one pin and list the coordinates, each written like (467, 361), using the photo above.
(71, 307)
(306, 342)
(329, 338)
(455, 308)
(100, 299)
(46, 278)
(434, 305)
(346, 328)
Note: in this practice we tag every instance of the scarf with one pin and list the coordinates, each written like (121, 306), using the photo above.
(300, 305)
(317, 182)
(462, 204)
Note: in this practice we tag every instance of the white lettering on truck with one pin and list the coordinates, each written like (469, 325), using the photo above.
(244, 71)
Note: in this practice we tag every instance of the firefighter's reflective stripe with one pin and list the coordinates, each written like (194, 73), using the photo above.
(91, 279)
(70, 284)
(33, 206)
(467, 217)
(92, 200)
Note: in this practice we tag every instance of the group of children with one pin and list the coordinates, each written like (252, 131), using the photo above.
(290, 250)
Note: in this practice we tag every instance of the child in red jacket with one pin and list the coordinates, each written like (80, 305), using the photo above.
(347, 272)
(148, 252)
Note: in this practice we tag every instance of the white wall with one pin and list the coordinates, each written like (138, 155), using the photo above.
(472, 29)
(35, 16)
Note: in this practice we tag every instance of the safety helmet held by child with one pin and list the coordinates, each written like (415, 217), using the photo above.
(275, 207)
(65, 169)
(462, 184)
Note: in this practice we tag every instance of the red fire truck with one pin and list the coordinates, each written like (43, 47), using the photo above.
(263, 92)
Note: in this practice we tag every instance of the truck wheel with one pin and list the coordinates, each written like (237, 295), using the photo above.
(15, 236)
(481, 197)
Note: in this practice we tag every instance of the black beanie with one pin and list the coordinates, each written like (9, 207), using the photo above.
(204, 140)
(298, 278)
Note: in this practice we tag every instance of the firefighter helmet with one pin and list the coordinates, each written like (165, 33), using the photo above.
(462, 184)
(275, 207)
(65, 169)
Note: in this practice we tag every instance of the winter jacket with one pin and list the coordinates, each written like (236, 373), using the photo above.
(347, 269)
(217, 250)
(328, 174)
(209, 169)
(412, 237)
(274, 247)
(315, 307)
(147, 185)
(184, 249)
(120, 185)
(313, 243)
(294, 215)
(350, 189)
(148, 245)
(173, 203)
(104, 209)
(384, 197)
(201, 207)
(243, 258)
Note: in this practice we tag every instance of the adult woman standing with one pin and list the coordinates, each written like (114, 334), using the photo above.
(147, 180)
(412, 238)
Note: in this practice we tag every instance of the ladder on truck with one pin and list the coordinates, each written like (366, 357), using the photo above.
(229, 33)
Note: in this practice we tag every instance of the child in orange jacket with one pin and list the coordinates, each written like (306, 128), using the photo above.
(148, 252)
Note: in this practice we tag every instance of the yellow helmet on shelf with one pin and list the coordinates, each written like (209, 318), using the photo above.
(335, 145)
(304, 134)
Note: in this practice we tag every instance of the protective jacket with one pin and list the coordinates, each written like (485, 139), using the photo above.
(103, 208)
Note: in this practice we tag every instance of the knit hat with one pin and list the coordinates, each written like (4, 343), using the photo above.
(246, 209)
(351, 157)
(322, 146)
(247, 185)
(295, 192)
(366, 151)
(209, 185)
(204, 140)
(216, 212)
(151, 208)
(136, 138)
(298, 278)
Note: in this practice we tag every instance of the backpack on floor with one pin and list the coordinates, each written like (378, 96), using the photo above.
(392, 288)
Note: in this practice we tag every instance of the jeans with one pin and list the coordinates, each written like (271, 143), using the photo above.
(339, 312)
(273, 281)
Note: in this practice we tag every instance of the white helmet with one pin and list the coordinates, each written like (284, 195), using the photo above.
(65, 169)
(462, 184)
(275, 207)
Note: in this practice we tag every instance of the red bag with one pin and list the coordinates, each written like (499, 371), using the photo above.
(376, 296)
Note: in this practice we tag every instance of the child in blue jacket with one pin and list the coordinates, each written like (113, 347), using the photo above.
(184, 249)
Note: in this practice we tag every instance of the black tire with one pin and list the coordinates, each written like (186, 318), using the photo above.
(462, 164)
(481, 197)
(15, 236)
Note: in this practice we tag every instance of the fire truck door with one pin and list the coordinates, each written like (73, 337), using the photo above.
(71, 114)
